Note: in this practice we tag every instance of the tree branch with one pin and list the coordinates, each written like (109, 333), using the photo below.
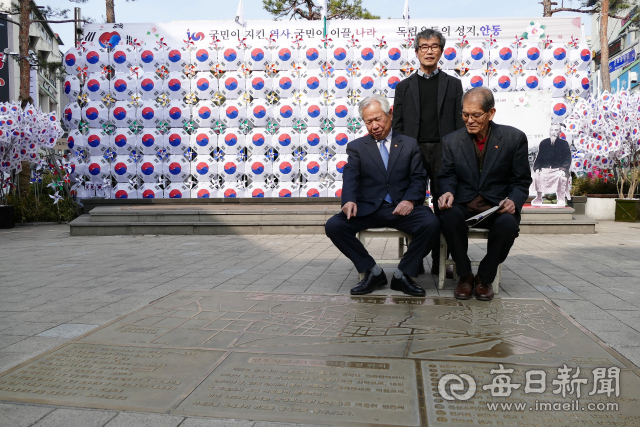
(589, 11)
(11, 21)
(60, 22)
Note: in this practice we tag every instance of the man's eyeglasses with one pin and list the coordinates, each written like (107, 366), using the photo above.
(474, 116)
(426, 48)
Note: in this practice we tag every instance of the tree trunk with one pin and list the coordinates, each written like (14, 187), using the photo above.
(23, 44)
(546, 8)
(111, 14)
(604, 46)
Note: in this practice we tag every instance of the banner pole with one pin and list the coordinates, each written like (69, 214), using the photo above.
(324, 18)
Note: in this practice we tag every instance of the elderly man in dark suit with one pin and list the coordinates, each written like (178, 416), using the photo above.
(484, 165)
(427, 106)
(384, 185)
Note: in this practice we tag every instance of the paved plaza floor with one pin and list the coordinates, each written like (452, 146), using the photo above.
(54, 288)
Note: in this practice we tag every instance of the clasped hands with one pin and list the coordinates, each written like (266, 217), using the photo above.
(446, 202)
(404, 208)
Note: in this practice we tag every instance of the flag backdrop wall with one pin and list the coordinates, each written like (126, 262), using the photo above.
(212, 109)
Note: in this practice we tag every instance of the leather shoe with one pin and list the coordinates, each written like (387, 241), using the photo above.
(435, 270)
(464, 290)
(369, 283)
(407, 285)
(481, 291)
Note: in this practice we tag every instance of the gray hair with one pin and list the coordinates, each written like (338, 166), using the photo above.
(487, 102)
(429, 34)
(384, 103)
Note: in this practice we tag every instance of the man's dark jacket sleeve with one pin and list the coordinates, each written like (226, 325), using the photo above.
(520, 173)
(350, 176)
(447, 180)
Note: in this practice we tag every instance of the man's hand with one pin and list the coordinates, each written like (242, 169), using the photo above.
(350, 209)
(507, 206)
(445, 201)
(404, 208)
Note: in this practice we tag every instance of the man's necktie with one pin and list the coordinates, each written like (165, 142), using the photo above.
(385, 159)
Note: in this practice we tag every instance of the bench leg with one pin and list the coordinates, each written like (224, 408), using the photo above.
(442, 272)
(400, 247)
(361, 237)
(497, 281)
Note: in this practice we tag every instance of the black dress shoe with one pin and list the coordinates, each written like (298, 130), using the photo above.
(407, 285)
(370, 283)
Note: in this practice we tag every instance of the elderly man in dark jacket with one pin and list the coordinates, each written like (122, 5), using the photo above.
(483, 166)
(383, 185)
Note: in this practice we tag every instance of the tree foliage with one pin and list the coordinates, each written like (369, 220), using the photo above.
(605, 9)
(590, 7)
(310, 10)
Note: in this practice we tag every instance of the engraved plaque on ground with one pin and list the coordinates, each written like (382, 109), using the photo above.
(553, 397)
(310, 390)
(106, 376)
(321, 359)
(530, 332)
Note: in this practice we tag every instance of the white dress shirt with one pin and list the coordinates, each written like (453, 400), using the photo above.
(387, 142)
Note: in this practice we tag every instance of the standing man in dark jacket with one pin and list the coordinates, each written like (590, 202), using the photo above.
(483, 166)
(383, 185)
(427, 106)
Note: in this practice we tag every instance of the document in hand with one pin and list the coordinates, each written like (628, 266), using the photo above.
(475, 220)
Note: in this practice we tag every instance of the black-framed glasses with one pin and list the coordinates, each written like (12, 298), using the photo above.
(429, 47)
(474, 116)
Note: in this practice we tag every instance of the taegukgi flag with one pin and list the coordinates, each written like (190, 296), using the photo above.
(240, 14)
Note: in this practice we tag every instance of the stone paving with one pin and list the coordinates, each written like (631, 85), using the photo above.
(54, 287)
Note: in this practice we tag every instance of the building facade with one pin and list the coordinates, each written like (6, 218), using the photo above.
(624, 49)
(46, 83)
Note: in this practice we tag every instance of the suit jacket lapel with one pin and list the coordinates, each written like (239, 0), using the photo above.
(442, 89)
(492, 152)
(469, 152)
(394, 151)
(374, 152)
(415, 90)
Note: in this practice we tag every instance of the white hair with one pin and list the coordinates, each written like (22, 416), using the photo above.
(384, 103)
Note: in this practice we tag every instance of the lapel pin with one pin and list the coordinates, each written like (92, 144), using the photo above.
(496, 146)
(395, 145)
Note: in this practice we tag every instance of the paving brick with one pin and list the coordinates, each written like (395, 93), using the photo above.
(129, 419)
(75, 418)
(14, 415)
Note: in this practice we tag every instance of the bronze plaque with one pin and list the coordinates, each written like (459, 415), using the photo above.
(508, 395)
(325, 359)
(530, 332)
(327, 390)
(108, 376)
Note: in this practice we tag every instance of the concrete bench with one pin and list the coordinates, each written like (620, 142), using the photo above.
(474, 233)
(403, 241)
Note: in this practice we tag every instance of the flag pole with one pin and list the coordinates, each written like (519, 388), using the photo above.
(324, 18)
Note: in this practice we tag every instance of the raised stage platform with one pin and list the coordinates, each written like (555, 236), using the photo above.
(266, 216)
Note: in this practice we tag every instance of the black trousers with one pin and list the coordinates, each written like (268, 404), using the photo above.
(432, 161)
(503, 230)
(421, 224)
